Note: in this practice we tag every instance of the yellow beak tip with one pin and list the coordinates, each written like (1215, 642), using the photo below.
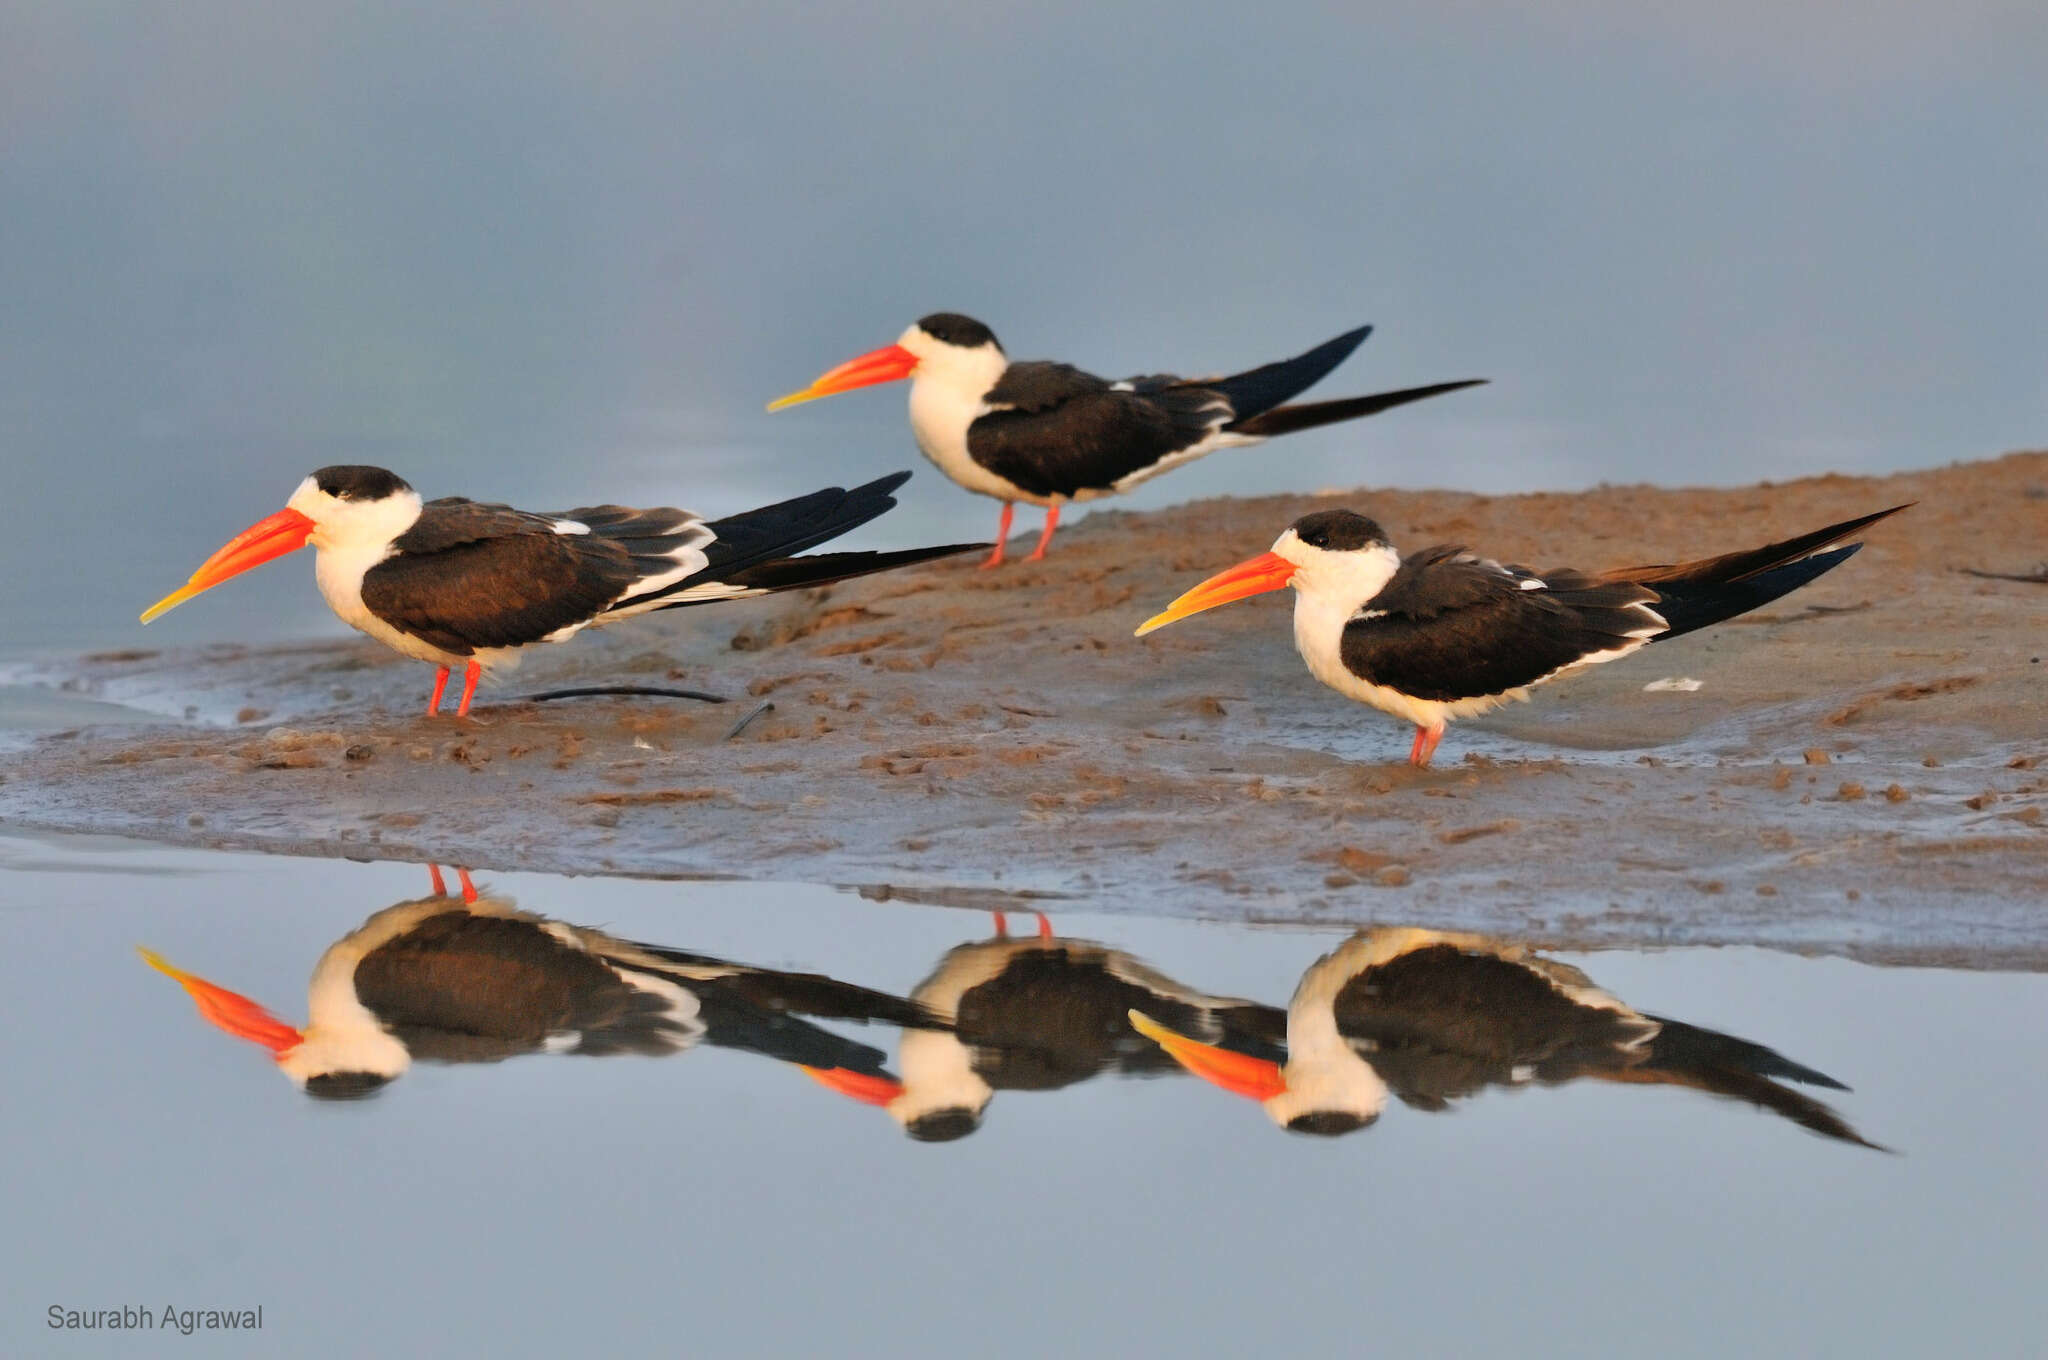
(1153, 624)
(168, 603)
(1148, 1027)
(793, 399)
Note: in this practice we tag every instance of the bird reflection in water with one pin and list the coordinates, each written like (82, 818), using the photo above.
(1042, 1012)
(1434, 1016)
(468, 978)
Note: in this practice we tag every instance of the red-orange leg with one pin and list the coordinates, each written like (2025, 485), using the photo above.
(470, 675)
(1052, 522)
(1002, 925)
(440, 688)
(995, 559)
(1426, 739)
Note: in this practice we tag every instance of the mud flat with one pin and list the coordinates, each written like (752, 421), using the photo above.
(1863, 767)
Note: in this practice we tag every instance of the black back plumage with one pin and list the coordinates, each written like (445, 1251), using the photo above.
(470, 575)
(1058, 431)
(1451, 625)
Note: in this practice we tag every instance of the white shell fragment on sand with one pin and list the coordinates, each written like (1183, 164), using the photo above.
(1676, 684)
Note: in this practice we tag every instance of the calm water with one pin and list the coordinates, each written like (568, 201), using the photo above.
(720, 1200)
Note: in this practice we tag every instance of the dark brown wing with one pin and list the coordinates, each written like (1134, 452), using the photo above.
(1451, 625)
(1058, 431)
(1440, 1022)
(469, 575)
(459, 987)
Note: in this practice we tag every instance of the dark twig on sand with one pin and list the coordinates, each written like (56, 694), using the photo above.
(766, 706)
(646, 691)
(2037, 577)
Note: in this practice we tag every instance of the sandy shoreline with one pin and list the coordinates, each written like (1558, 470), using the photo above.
(1864, 768)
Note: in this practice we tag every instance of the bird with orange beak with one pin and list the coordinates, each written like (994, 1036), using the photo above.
(470, 978)
(1432, 1017)
(1446, 633)
(1047, 433)
(466, 585)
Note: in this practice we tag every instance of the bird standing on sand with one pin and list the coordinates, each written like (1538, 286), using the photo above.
(1445, 633)
(1434, 1016)
(1047, 433)
(461, 583)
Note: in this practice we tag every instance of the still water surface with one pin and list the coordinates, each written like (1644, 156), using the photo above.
(1092, 1196)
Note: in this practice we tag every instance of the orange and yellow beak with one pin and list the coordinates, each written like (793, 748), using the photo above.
(283, 532)
(1254, 1078)
(1267, 571)
(887, 364)
(231, 1011)
(857, 1085)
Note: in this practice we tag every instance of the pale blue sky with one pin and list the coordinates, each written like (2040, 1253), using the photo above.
(553, 253)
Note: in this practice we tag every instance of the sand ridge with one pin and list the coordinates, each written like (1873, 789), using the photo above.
(1863, 766)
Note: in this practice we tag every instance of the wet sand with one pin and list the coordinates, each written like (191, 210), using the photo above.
(1863, 768)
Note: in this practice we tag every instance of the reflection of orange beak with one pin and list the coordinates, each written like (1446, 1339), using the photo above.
(1238, 1073)
(274, 537)
(857, 1085)
(231, 1011)
(1268, 571)
(886, 364)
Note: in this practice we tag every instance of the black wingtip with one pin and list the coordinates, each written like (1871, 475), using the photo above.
(882, 486)
(1310, 415)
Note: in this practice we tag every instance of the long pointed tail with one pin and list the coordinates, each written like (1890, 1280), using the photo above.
(822, 569)
(1261, 389)
(754, 553)
(1723, 1065)
(788, 527)
(1692, 595)
(1308, 415)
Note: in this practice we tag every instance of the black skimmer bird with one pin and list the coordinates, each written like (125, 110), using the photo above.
(464, 584)
(1434, 1016)
(1445, 633)
(1047, 433)
(1043, 1013)
(471, 978)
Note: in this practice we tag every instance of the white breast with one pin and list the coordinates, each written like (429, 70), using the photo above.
(940, 413)
(340, 572)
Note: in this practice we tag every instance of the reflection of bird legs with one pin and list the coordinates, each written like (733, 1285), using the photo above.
(1003, 925)
(462, 877)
